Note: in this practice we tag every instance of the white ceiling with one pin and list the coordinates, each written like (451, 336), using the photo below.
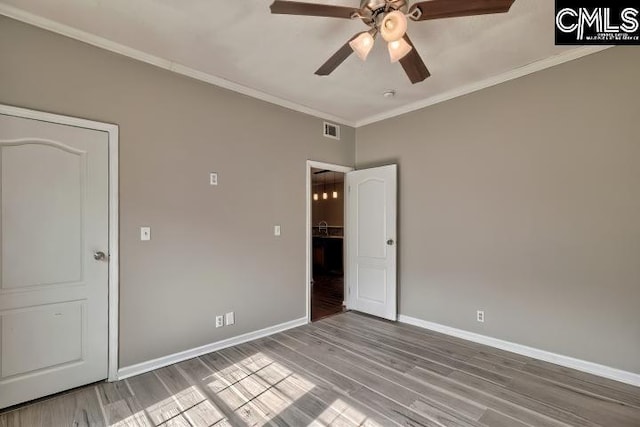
(241, 46)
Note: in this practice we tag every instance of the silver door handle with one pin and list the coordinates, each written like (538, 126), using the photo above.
(390, 242)
(99, 256)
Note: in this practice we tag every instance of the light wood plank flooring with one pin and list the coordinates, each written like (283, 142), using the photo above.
(347, 370)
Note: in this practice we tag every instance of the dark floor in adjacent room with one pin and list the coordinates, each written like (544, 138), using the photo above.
(348, 370)
(327, 296)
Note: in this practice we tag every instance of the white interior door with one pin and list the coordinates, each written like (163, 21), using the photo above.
(371, 211)
(54, 276)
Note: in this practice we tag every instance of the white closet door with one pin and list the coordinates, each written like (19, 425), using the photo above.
(53, 259)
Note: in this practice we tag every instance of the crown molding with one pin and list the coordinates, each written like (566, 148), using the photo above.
(534, 67)
(94, 40)
(85, 37)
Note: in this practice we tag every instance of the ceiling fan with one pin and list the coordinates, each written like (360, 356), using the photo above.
(389, 19)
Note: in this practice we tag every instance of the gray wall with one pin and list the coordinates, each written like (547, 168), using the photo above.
(212, 248)
(524, 200)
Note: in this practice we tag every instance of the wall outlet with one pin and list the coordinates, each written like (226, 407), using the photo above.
(213, 178)
(219, 321)
(480, 316)
(229, 318)
(276, 230)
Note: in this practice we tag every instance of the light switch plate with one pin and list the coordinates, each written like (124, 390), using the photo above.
(213, 178)
(229, 318)
(145, 233)
(276, 230)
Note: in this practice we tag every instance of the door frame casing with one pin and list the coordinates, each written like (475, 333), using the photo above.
(335, 168)
(112, 131)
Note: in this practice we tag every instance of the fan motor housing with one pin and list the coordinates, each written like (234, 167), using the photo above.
(372, 11)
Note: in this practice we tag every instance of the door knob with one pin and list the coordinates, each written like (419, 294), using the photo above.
(99, 256)
(390, 242)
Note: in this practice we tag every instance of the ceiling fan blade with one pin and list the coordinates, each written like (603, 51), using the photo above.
(337, 59)
(413, 64)
(312, 9)
(437, 9)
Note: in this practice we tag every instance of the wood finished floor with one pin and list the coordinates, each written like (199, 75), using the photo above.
(348, 370)
(327, 296)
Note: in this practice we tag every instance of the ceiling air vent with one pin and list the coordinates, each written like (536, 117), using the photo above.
(331, 130)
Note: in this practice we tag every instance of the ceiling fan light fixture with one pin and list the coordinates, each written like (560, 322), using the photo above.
(388, 17)
(398, 49)
(362, 45)
(393, 26)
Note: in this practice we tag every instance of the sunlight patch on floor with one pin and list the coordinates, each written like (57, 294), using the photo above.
(197, 408)
(137, 419)
(257, 390)
(163, 410)
(340, 413)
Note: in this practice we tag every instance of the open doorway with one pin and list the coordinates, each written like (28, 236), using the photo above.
(368, 241)
(327, 249)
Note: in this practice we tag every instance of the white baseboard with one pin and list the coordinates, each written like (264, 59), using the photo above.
(161, 362)
(558, 359)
